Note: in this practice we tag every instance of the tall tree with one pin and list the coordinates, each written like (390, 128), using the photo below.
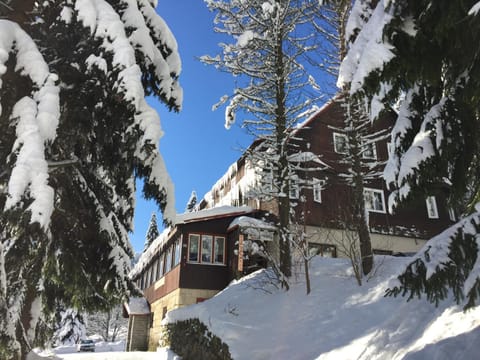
(76, 133)
(359, 164)
(419, 55)
(268, 57)
(152, 232)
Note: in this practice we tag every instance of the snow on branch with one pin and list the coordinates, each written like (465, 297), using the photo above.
(36, 124)
(151, 36)
(368, 53)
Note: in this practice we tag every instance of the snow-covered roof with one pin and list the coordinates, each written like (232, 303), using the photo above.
(150, 252)
(248, 222)
(137, 306)
(220, 211)
(256, 229)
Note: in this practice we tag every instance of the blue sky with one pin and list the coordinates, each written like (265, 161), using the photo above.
(196, 147)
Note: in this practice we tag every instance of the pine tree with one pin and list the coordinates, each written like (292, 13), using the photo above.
(419, 55)
(271, 40)
(152, 232)
(70, 328)
(192, 201)
(76, 133)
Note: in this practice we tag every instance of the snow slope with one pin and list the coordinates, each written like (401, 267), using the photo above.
(338, 320)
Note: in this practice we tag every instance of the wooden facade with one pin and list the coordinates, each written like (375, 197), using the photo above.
(411, 221)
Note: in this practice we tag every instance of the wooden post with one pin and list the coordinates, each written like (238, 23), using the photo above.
(240, 253)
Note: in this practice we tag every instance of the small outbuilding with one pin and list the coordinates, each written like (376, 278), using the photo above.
(137, 310)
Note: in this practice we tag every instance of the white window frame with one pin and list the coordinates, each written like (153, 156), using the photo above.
(377, 191)
(432, 209)
(374, 150)
(190, 236)
(294, 189)
(207, 254)
(336, 144)
(215, 250)
(318, 186)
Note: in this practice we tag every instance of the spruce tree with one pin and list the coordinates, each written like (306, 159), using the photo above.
(421, 57)
(76, 133)
(152, 232)
(192, 201)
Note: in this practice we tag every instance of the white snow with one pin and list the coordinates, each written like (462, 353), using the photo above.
(368, 53)
(337, 320)
(137, 306)
(36, 124)
(213, 212)
(245, 38)
(475, 9)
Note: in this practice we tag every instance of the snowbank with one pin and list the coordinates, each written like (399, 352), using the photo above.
(338, 320)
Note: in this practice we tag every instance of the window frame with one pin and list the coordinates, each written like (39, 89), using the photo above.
(378, 191)
(177, 252)
(435, 214)
(374, 150)
(318, 185)
(215, 262)
(206, 238)
(294, 186)
(337, 135)
(211, 249)
(190, 236)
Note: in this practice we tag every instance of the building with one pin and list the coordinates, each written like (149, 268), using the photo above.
(320, 196)
(199, 255)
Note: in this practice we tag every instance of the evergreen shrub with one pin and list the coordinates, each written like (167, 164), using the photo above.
(192, 340)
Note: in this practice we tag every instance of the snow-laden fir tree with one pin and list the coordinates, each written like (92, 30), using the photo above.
(70, 328)
(152, 231)
(422, 57)
(192, 202)
(268, 54)
(76, 133)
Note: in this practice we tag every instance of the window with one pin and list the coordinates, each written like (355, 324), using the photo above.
(178, 252)
(451, 214)
(369, 151)
(294, 189)
(160, 267)
(207, 248)
(432, 207)
(194, 248)
(168, 260)
(219, 250)
(318, 185)
(340, 143)
(154, 271)
(323, 250)
(374, 200)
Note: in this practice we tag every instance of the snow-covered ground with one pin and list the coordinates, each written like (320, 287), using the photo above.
(103, 351)
(338, 320)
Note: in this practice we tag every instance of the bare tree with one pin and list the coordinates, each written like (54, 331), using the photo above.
(271, 41)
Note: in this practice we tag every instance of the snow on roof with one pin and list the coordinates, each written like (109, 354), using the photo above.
(151, 251)
(220, 211)
(307, 156)
(137, 306)
(249, 222)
